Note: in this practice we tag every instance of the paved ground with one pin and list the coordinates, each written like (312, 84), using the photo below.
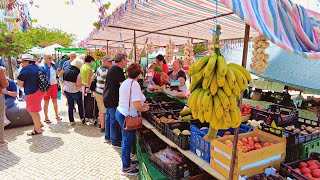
(62, 152)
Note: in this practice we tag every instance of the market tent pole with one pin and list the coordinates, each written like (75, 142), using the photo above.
(236, 131)
(135, 46)
(107, 47)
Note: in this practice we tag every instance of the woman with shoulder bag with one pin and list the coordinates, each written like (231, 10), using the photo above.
(130, 105)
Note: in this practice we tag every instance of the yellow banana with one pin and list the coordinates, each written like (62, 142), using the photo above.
(210, 66)
(214, 85)
(195, 95)
(207, 81)
(211, 135)
(222, 66)
(213, 120)
(224, 99)
(189, 99)
(236, 91)
(199, 100)
(227, 89)
(191, 69)
(221, 80)
(198, 76)
(226, 120)
(219, 124)
(235, 120)
(194, 85)
(233, 102)
(206, 99)
(241, 78)
(218, 108)
(201, 116)
(231, 78)
(201, 63)
(194, 113)
(209, 111)
(243, 70)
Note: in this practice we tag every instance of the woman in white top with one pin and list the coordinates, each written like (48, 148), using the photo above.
(136, 105)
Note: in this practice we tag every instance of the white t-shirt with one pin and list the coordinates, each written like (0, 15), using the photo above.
(53, 76)
(136, 95)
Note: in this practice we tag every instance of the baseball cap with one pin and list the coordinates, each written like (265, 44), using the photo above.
(27, 57)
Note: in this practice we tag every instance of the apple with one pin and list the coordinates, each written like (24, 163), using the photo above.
(271, 143)
(266, 144)
(251, 143)
(228, 142)
(244, 140)
(305, 170)
(315, 173)
(256, 139)
(250, 139)
(303, 164)
(257, 146)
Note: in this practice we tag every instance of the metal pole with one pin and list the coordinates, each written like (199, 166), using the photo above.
(2, 113)
(236, 132)
(135, 46)
(107, 47)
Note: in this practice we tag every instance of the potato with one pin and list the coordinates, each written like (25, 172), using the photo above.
(310, 129)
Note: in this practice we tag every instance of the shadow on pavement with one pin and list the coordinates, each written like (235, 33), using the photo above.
(7, 158)
(87, 130)
(12, 134)
(42, 144)
(60, 127)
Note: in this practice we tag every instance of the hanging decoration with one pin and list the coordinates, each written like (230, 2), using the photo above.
(150, 48)
(169, 51)
(188, 53)
(131, 53)
(260, 57)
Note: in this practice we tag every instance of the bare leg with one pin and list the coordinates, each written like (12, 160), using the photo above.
(101, 119)
(55, 106)
(36, 121)
(45, 108)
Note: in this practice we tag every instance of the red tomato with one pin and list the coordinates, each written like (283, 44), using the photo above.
(303, 164)
(315, 173)
(305, 170)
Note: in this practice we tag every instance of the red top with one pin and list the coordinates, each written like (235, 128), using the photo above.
(157, 76)
(3, 80)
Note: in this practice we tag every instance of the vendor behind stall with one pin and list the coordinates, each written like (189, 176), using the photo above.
(161, 63)
(176, 74)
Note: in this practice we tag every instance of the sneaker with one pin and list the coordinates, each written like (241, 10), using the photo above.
(83, 120)
(72, 123)
(130, 171)
(116, 145)
(134, 163)
(101, 130)
(108, 141)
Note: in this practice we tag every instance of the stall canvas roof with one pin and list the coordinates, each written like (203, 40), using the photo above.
(68, 50)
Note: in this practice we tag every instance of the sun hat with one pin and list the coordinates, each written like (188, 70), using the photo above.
(27, 57)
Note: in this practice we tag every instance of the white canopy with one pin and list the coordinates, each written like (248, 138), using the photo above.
(50, 49)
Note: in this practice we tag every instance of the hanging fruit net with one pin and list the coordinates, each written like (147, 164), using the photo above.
(169, 51)
(188, 53)
(260, 59)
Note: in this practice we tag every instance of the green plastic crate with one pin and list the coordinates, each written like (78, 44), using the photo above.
(302, 151)
(148, 171)
(309, 147)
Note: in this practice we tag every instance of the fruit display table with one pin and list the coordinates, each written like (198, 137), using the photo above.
(201, 163)
(264, 105)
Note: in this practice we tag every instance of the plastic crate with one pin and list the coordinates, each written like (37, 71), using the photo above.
(183, 141)
(161, 126)
(198, 145)
(277, 113)
(286, 169)
(148, 171)
(292, 137)
(301, 151)
(243, 129)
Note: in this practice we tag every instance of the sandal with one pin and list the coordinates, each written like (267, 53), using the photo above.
(47, 121)
(34, 132)
(58, 118)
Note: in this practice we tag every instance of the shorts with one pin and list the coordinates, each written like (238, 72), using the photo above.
(33, 101)
(99, 99)
(52, 93)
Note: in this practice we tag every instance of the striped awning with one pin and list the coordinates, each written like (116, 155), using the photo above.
(155, 19)
(288, 25)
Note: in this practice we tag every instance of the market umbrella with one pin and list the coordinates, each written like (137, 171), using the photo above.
(35, 50)
(50, 49)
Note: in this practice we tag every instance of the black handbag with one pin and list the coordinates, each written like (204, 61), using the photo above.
(93, 84)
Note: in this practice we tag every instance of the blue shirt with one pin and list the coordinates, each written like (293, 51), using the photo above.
(29, 75)
(45, 68)
(62, 61)
(12, 87)
(66, 65)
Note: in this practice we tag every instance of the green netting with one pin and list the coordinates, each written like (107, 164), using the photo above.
(68, 50)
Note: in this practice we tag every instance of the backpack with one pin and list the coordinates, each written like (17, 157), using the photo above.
(44, 83)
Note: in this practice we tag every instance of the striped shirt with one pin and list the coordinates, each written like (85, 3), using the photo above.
(101, 75)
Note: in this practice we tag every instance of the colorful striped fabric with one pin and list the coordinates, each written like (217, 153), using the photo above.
(286, 24)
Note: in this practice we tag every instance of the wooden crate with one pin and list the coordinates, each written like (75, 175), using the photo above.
(249, 163)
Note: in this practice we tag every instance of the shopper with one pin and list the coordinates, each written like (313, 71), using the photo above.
(67, 64)
(28, 79)
(176, 74)
(72, 83)
(131, 103)
(10, 93)
(101, 76)
(160, 62)
(86, 70)
(114, 79)
(51, 71)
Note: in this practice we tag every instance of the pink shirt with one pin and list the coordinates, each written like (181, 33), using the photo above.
(157, 76)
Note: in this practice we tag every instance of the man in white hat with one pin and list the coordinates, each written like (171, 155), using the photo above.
(28, 79)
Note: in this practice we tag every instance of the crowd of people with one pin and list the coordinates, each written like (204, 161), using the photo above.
(117, 96)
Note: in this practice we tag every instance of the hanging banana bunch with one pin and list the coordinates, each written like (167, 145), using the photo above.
(98, 54)
(188, 53)
(215, 87)
(169, 51)
(260, 59)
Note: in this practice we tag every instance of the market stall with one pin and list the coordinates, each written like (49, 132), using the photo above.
(167, 117)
